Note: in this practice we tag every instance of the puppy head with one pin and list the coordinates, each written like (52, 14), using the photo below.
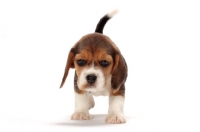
(95, 59)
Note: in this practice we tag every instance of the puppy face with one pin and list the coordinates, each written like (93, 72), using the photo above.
(97, 63)
(93, 69)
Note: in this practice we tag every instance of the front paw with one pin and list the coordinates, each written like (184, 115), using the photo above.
(115, 119)
(81, 116)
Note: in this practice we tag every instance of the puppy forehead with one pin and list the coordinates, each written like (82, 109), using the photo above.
(95, 43)
(83, 54)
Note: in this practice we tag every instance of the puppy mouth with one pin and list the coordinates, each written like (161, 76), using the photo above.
(91, 86)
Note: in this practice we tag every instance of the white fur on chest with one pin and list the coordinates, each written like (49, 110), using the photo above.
(100, 93)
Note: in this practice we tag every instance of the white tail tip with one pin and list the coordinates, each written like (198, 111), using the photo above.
(112, 13)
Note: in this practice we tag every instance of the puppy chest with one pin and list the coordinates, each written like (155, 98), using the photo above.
(99, 93)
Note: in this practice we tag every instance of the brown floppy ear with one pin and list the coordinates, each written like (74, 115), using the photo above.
(69, 65)
(119, 72)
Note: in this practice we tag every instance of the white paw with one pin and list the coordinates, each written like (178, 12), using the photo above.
(81, 116)
(115, 119)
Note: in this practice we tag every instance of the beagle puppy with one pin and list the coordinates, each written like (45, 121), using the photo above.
(100, 69)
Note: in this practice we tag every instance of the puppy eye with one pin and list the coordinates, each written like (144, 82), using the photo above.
(104, 63)
(81, 62)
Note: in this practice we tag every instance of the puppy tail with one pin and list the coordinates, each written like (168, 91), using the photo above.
(102, 22)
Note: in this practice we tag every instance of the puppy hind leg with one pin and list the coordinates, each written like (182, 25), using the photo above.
(91, 101)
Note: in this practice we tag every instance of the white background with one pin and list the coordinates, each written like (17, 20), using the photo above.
(159, 39)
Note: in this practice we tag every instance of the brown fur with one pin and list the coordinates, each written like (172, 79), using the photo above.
(93, 48)
(69, 65)
(85, 55)
(102, 55)
(76, 88)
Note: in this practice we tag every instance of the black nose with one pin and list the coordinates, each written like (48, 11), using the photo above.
(91, 78)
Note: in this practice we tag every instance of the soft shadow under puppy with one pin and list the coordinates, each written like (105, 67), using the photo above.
(97, 120)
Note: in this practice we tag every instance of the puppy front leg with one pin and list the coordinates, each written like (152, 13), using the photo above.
(115, 112)
(82, 105)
